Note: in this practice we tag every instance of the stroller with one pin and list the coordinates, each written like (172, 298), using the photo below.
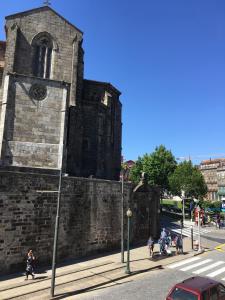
(164, 244)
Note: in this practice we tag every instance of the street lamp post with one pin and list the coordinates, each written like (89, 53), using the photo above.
(199, 235)
(122, 216)
(129, 215)
(181, 234)
(183, 208)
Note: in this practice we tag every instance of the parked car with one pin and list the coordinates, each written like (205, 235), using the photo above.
(197, 288)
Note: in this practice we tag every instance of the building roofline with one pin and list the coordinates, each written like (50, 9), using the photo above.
(108, 84)
(212, 161)
(42, 8)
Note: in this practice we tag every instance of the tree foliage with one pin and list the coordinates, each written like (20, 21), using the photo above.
(158, 166)
(188, 178)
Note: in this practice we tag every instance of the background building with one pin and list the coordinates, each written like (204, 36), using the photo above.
(221, 182)
(212, 170)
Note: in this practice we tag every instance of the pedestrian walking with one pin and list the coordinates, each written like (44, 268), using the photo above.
(218, 220)
(169, 239)
(30, 259)
(163, 234)
(151, 246)
(178, 243)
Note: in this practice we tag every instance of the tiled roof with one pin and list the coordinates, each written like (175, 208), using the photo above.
(212, 161)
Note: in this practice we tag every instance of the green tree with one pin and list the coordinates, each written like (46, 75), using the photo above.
(158, 166)
(188, 178)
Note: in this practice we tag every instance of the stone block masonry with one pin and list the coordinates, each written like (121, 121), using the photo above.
(44, 99)
(89, 219)
(31, 131)
(90, 216)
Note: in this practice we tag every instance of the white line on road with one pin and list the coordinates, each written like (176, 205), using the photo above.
(218, 263)
(183, 262)
(196, 265)
(187, 231)
(213, 274)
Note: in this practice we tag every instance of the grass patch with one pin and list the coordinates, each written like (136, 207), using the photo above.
(170, 202)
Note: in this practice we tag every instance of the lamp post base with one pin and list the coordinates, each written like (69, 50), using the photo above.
(128, 271)
(201, 250)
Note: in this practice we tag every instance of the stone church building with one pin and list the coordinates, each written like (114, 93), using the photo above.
(50, 116)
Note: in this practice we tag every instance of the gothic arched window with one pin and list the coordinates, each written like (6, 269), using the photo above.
(42, 55)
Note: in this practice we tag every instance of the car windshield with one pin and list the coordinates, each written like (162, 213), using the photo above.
(180, 294)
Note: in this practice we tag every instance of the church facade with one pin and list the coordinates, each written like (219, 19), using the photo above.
(50, 116)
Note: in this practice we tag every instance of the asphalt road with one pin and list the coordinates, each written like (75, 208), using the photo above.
(154, 286)
(157, 283)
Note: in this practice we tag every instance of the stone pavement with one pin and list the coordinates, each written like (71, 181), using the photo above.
(77, 279)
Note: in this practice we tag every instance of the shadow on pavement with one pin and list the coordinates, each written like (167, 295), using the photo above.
(40, 277)
(158, 257)
(102, 285)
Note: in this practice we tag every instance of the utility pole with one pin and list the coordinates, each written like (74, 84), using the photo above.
(56, 235)
(181, 234)
(58, 205)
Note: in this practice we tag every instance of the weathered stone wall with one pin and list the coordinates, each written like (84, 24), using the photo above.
(2, 64)
(22, 28)
(101, 130)
(33, 130)
(146, 210)
(90, 217)
(89, 222)
(2, 53)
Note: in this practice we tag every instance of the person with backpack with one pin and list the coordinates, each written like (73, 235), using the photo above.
(179, 244)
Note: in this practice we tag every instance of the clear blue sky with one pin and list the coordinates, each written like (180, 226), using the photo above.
(168, 60)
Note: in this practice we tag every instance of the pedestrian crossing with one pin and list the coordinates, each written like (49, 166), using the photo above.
(198, 265)
(186, 231)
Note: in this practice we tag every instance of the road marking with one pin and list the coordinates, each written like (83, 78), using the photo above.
(218, 263)
(218, 248)
(196, 265)
(213, 274)
(183, 262)
(186, 231)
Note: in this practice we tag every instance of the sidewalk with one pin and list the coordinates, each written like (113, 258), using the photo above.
(189, 223)
(76, 279)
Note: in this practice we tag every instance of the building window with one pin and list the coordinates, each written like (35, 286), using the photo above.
(42, 55)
